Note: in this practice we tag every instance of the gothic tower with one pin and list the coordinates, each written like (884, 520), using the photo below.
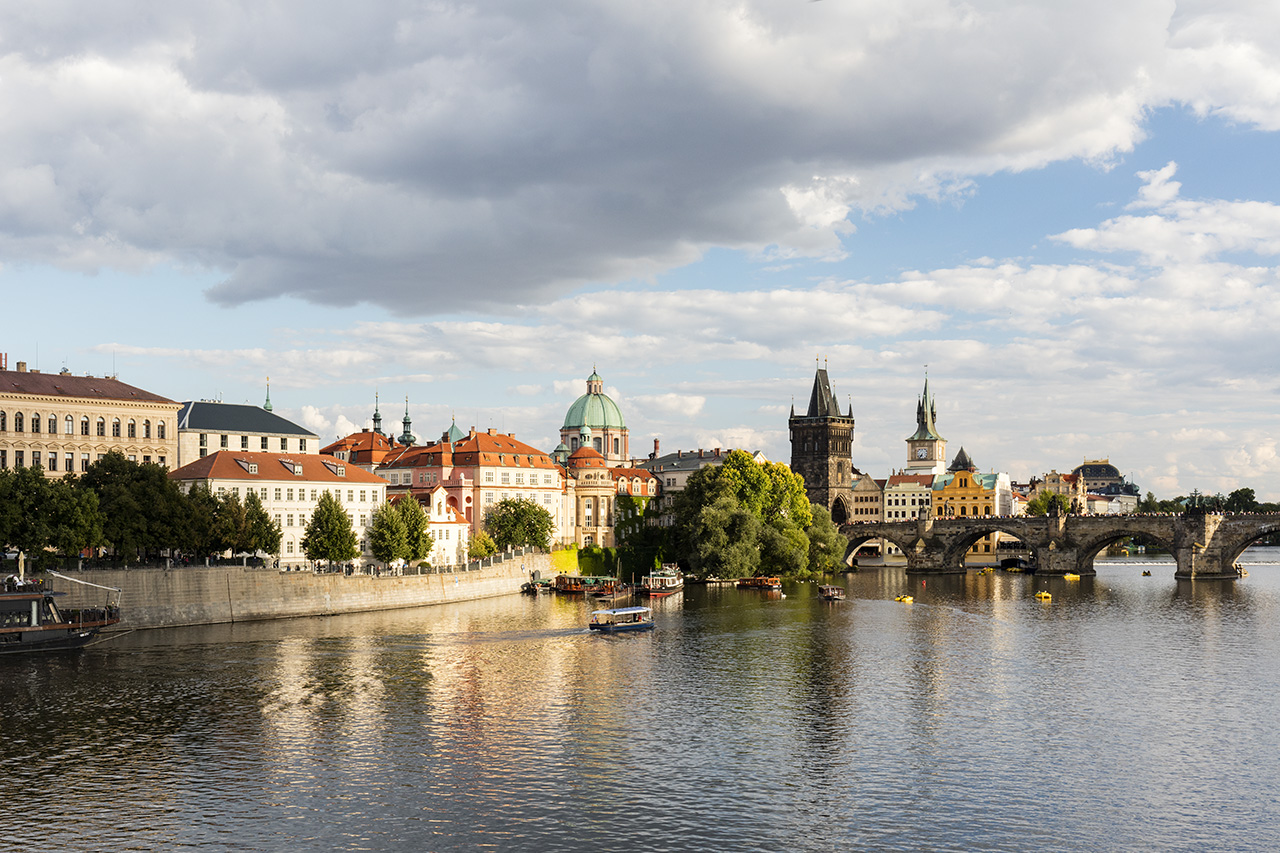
(822, 449)
(926, 450)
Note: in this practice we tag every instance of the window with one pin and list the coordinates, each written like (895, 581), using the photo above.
(115, 427)
(69, 462)
(17, 421)
(288, 521)
(617, 446)
(253, 468)
(133, 428)
(277, 494)
(84, 461)
(84, 425)
(204, 440)
(488, 475)
(351, 495)
(520, 478)
(284, 444)
(302, 445)
(362, 494)
(146, 429)
(244, 442)
(4, 426)
(203, 451)
(69, 425)
(35, 423)
(18, 459)
(313, 494)
(222, 441)
(289, 547)
(53, 461)
(264, 442)
(35, 459)
(160, 430)
(506, 477)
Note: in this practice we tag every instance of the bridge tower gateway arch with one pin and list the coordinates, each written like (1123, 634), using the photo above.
(822, 449)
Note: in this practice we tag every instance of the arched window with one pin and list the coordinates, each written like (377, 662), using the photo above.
(146, 429)
(70, 425)
(133, 428)
(4, 422)
(35, 423)
(17, 421)
(160, 430)
(102, 427)
(84, 425)
(115, 427)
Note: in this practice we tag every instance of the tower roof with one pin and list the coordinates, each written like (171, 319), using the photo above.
(822, 401)
(962, 462)
(926, 417)
(594, 409)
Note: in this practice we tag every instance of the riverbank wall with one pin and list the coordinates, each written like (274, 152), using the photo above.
(166, 598)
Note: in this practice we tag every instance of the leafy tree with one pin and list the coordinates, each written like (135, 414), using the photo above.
(264, 533)
(516, 522)
(202, 513)
(827, 545)
(388, 537)
(724, 540)
(418, 539)
(1042, 503)
(143, 511)
(481, 546)
(231, 524)
(77, 521)
(329, 535)
(1242, 500)
(38, 514)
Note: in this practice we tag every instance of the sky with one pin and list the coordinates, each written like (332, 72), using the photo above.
(1067, 214)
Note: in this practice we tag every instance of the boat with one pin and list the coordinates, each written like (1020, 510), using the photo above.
(666, 581)
(582, 584)
(622, 619)
(1071, 576)
(905, 599)
(831, 593)
(32, 621)
(766, 583)
(1044, 596)
(1146, 573)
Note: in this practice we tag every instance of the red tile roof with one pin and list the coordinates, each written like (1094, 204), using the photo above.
(234, 465)
(913, 479)
(480, 448)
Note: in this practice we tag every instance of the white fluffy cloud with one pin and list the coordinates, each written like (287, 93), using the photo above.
(447, 155)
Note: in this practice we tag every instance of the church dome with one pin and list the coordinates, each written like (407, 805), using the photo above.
(594, 409)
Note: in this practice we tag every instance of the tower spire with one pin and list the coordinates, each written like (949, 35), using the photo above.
(267, 405)
(377, 415)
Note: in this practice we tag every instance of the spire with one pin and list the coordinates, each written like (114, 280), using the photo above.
(407, 438)
(962, 462)
(822, 401)
(926, 416)
(377, 415)
(267, 405)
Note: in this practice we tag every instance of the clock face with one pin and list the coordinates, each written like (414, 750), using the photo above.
(922, 453)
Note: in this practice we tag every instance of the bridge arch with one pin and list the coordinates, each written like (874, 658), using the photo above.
(906, 543)
(980, 526)
(1238, 537)
(1091, 547)
(840, 510)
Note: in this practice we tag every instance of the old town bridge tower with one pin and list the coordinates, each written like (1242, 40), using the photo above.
(822, 449)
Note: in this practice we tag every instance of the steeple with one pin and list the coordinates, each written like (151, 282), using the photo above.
(377, 415)
(926, 416)
(267, 405)
(407, 438)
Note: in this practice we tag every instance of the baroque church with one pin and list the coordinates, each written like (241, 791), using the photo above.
(822, 449)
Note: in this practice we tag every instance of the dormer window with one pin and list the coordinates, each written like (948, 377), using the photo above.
(253, 467)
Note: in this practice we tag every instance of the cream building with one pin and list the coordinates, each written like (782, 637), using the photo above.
(63, 423)
(289, 486)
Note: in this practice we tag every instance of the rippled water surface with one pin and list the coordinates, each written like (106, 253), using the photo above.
(1129, 713)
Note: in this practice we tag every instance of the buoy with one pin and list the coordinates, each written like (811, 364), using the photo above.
(1044, 596)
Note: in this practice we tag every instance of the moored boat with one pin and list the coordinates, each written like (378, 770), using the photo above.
(31, 621)
(831, 593)
(666, 581)
(766, 583)
(621, 619)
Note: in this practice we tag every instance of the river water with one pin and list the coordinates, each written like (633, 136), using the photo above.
(1129, 713)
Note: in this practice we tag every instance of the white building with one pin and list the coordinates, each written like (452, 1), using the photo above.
(205, 427)
(289, 487)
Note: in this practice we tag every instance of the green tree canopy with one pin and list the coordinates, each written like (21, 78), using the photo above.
(329, 536)
(418, 539)
(264, 533)
(388, 538)
(518, 522)
(1042, 503)
(143, 511)
(481, 546)
(827, 545)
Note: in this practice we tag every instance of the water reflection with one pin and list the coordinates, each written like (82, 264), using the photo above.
(1127, 713)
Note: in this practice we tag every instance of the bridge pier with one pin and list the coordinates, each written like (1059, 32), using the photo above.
(1199, 556)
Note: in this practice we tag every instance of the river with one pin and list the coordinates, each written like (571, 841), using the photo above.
(1128, 713)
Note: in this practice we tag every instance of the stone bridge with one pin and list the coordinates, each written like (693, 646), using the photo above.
(1203, 545)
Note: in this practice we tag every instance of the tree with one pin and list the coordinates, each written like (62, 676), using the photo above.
(1042, 503)
(77, 521)
(202, 513)
(231, 524)
(329, 536)
(38, 514)
(143, 511)
(517, 522)
(264, 533)
(1242, 500)
(481, 546)
(827, 545)
(418, 539)
(388, 538)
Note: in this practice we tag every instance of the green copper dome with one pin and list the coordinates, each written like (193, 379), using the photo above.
(594, 409)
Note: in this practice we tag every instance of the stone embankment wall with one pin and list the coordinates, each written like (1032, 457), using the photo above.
(163, 598)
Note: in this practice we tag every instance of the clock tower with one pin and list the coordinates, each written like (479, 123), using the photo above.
(926, 450)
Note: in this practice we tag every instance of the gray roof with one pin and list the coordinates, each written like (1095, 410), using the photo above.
(684, 460)
(202, 416)
(822, 400)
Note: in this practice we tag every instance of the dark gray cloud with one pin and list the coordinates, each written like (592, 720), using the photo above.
(443, 155)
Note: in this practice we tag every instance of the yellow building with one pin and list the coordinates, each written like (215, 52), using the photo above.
(963, 492)
(62, 423)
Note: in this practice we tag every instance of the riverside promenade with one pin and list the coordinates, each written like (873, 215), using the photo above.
(195, 595)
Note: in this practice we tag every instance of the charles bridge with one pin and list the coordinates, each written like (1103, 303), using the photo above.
(1204, 545)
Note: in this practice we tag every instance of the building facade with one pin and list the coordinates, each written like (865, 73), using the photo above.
(206, 427)
(62, 423)
(822, 449)
(289, 487)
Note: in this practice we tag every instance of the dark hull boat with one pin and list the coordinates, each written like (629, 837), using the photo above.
(32, 621)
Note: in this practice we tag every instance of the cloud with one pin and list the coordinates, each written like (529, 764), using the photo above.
(442, 157)
(676, 405)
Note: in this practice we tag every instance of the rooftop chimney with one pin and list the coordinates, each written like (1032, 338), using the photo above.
(22, 367)
(655, 449)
